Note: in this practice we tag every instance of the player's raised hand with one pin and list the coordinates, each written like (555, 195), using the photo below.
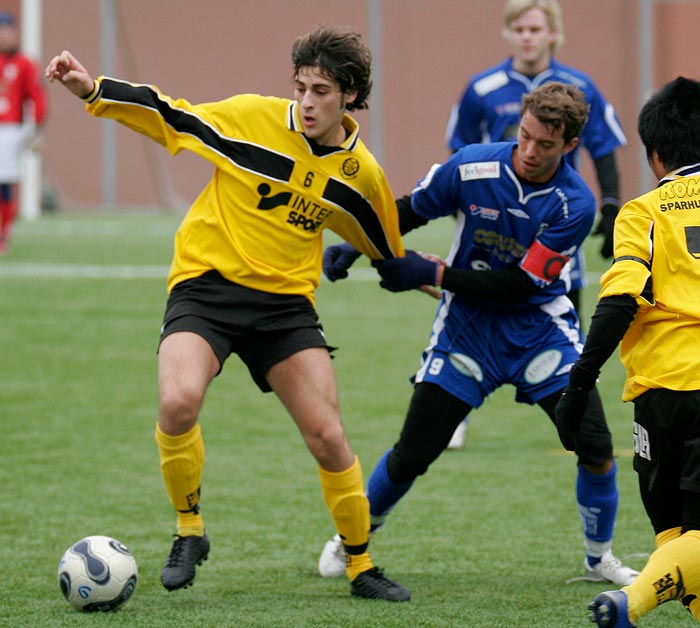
(66, 69)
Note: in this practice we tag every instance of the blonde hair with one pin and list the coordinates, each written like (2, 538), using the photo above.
(515, 8)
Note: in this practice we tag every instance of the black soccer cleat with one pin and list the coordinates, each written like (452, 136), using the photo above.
(609, 610)
(186, 553)
(374, 585)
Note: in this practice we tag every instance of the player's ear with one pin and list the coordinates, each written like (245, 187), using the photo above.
(349, 97)
(656, 165)
(570, 146)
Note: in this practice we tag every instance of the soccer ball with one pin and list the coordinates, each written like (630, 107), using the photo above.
(98, 573)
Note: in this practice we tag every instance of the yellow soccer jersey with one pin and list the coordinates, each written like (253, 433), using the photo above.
(657, 261)
(259, 220)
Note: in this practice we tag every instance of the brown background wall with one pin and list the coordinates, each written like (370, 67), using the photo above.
(209, 49)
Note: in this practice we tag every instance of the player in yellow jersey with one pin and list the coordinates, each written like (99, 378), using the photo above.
(247, 261)
(650, 301)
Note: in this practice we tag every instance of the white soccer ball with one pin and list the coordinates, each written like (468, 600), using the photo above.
(98, 573)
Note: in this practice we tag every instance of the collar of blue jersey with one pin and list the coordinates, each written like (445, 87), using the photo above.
(350, 124)
(535, 79)
(684, 171)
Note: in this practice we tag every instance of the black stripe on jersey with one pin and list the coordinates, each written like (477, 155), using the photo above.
(243, 154)
(352, 202)
(291, 119)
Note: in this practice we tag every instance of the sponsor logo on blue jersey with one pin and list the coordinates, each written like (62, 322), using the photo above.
(480, 170)
(487, 213)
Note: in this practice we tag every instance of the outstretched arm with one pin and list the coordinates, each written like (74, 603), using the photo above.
(502, 285)
(66, 69)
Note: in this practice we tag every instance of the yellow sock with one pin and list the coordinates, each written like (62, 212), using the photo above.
(181, 463)
(667, 535)
(671, 573)
(345, 498)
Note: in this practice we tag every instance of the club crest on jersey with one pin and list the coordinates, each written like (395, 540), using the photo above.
(350, 168)
(480, 170)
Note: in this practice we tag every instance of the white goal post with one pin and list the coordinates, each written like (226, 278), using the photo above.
(30, 166)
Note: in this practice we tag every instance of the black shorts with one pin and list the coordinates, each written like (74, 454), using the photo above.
(667, 456)
(261, 327)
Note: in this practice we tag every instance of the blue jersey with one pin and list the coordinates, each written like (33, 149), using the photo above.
(489, 110)
(475, 347)
(501, 219)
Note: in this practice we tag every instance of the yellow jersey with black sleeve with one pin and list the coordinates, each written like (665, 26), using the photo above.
(657, 261)
(259, 220)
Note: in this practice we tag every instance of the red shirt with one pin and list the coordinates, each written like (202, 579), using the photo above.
(20, 82)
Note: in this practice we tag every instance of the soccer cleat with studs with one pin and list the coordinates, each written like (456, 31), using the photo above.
(374, 585)
(187, 552)
(609, 610)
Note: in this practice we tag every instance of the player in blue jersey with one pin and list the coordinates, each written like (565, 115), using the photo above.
(489, 108)
(504, 317)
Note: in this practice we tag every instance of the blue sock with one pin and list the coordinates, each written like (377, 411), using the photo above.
(382, 493)
(597, 498)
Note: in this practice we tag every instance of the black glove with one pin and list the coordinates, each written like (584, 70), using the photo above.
(337, 258)
(405, 273)
(605, 227)
(569, 412)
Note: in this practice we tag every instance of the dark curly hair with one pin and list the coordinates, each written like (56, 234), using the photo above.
(340, 54)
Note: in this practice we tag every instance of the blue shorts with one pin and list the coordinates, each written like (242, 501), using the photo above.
(473, 351)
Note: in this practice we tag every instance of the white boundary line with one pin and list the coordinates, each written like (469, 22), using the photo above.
(115, 271)
(81, 271)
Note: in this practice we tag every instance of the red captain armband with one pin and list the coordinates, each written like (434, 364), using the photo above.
(543, 263)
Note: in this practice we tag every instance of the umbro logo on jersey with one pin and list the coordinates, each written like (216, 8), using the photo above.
(480, 170)
(518, 213)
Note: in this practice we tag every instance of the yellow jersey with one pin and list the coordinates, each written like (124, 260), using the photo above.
(657, 261)
(260, 218)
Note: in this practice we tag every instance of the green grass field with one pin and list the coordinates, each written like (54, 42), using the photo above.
(487, 539)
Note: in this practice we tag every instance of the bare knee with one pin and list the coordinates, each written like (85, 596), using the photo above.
(179, 409)
(329, 445)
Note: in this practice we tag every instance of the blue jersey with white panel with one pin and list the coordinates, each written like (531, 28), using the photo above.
(489, 110)
(503, 220)
(476, 346)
